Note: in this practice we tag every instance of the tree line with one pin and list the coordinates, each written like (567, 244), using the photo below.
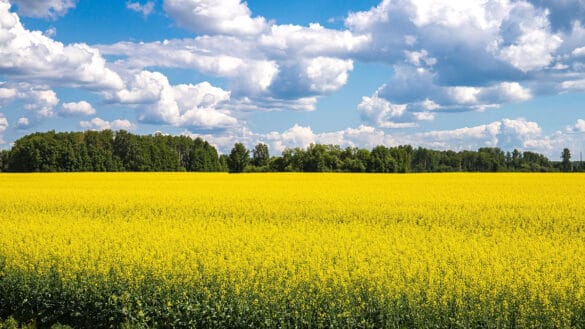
(109, 151)
(123, 151)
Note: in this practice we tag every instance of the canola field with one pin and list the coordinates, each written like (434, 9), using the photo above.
(185, 250)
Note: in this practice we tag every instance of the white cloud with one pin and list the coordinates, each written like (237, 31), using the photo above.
(8, 93)
(145, 9)
(471, 55)
(327, 74)
(247, 75)
(579, 127)
(36, 99)
(100, 124)
(266, 104)
(454, 14)
(365, 20)
(521, 127)
(534, 49)
(23, 123)
(420, 91)
(284, 66)
(42, 102)
(33, 57)
(230, 17)
(506, 134)
(50, 32)
(419, 58)
(77, 109)
(3, 127)
(297, 135)
(578, 52)
(383, 114)
(461, 138)
(311, 41)
(45, 8)
(516, 133)
(185, 105)
(276, 63)
(574, 85)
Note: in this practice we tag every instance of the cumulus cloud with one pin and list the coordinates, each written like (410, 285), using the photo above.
(23, 123)
(472, 55)
(33, 57)
(413, 94)
(230, 17)
(7, 94)
(314, 40)
(326, 74)
(265, 74)
(284, 63)
(44, 9)
(77, 109)
(247, 75)
(380, 112)
(38, 100)
(310, 77)
(513, 31)
(144, 9)
(3, 127)
(100, 124)
(184, 105)
(535, 44)
(578, 127)
(41, 102)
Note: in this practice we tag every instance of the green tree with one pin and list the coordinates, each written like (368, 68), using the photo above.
(260, 155)
(203, 157)
(566, 164)
(381, 160)
(403, 156)
(223, 163)
(4, 156)
(239, 158)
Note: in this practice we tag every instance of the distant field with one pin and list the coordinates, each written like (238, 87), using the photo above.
(293, 250)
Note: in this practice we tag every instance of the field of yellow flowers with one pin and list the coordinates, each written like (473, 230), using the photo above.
(293, 250)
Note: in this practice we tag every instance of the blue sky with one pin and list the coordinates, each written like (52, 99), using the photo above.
(439, 74)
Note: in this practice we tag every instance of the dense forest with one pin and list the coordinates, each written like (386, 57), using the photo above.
(122, 151)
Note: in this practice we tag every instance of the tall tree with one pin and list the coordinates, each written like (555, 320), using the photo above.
(260, 155)
(566, 164)
(381, 160)
(223, 163)
(239, 158)
(4, 156)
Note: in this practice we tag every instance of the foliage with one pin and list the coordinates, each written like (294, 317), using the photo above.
(566, 164)
(260, 155)
(123, 151)
(238, 159)
(95, 250)
(108, 151)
